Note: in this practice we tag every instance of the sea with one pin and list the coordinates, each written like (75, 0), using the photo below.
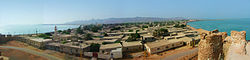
(224, 25)
(20, 29)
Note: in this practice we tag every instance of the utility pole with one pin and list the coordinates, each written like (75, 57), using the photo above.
(80, 52)
(36, 31)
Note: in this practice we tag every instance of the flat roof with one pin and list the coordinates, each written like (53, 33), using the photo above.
(70, 44)
(113, 37)
(65, 35)
(134, 43)
(54, 44)
(110, 46)
(185, 39)
(160, 43)
(40, 39)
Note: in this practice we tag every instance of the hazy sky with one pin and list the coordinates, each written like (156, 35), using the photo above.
(61, 11)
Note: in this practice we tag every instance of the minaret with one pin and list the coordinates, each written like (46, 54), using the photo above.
(55, 34)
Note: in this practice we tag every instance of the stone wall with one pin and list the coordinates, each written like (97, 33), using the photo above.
(235, 45)
(211, 46)
(239, 40)
(217, 45)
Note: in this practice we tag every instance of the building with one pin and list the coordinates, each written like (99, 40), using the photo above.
(114, 34)
(112, 37)
(108, 50)
(53, 46)
(109, 47)
(65, 37)
(169, 37)
(148, 38)
(36, 42)
(73, 48)
(162, 45)
(132, 46)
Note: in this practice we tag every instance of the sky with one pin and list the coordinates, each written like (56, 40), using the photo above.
(62, 11)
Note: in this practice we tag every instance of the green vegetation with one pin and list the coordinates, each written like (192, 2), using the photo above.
(104, 34)
(160, 32)
(93, 28)
(179, 25)
(49, 34)
(59, 31)
(63, 42)
(88, 37)
(79, 30)
(66, 31)
(94, 47)
(133, 37)
(117, 41)
(130, 30)
(144, 26)
(116, 28)
(44, 36)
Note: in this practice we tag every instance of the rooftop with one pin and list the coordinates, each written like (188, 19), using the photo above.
(81, 45)
(111, 46)
(135, 43)
(40, 39)
(159, 43)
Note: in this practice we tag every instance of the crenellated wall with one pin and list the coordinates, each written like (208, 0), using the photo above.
(211, 45)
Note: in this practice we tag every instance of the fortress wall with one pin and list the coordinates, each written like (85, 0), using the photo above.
(211, 46)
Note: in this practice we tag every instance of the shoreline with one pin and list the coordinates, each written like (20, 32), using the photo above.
(200, 30)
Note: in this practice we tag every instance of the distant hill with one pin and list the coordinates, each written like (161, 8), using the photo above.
(123, 20)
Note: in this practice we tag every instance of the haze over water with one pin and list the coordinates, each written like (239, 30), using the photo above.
(32, 28)
(226, 25)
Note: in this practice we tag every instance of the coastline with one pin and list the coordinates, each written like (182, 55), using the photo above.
(200, 30)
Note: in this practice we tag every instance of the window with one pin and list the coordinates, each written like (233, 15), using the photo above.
(102, 51)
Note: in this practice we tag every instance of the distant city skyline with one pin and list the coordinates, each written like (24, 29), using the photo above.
(62, 11)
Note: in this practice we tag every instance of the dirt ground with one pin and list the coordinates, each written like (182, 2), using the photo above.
(160, 55)
(19, 55)
(34, 57)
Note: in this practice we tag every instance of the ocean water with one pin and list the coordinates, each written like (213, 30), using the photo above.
(226, 25)
(31, 29)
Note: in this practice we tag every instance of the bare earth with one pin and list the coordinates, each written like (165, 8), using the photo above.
(19, 55)
(28, 56)
(165, 55)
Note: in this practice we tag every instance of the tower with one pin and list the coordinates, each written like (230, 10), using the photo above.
(55, 34)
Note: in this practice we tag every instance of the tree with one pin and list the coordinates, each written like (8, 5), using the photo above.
(79, 30)
(133, 37)
(88, 37)
(179, 25)
(116, 28)
(160, 32)
(144, 26)
(130, 30)
(59, 31)
(94, 47)
(65, 32)
(105, 34)
(44, 36)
